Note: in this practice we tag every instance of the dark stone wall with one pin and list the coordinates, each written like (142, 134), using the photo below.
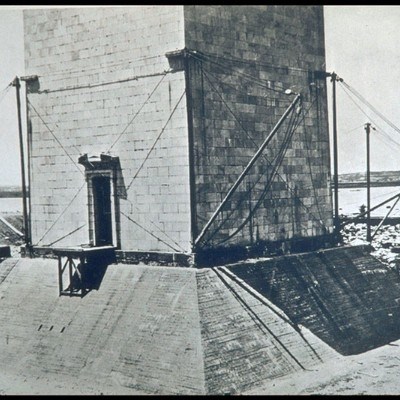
(242, 59)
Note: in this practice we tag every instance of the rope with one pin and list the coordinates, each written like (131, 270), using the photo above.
(240, 124)
(103, 66)
(233, 114)
(310, 169)
(149, 232)
(267, 186)
(90, 86)
(260, 82)
(55, 137)
(137, 113)
(244, 130)
(60, 215)
(263, 196)
(381, 131)
(4, 92)
(251, 62)
(361, 98)
(287, 186)
(157, 227)
(68, 234)
(155, 142)
(265, 191)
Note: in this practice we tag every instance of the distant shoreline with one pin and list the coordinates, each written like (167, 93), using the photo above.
(10, 191)
(4, 195)
(349, 185)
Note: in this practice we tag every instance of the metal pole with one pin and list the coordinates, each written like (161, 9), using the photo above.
(367, 130)
(17, 85)
(335, 157)
(192, 183)
(27, 81)
(251, 218)
(247, 168)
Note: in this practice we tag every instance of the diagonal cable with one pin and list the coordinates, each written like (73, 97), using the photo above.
(157, 227)
(149, 232)
(275, 165)
(54, 123)
(371, 119)
(155, 142)
(263, 195)
(55, 137)
(61, 214)
(266, 189)
(255, 80)
(248, 135)
(369, 105)
(68, 234)
(137, 113)
(4, 92)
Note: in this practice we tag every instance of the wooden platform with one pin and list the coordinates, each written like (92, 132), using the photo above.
(75, 260)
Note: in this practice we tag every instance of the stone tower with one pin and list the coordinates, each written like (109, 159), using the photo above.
(173, 131)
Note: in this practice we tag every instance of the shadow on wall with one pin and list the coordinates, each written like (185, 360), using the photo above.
(121, 191)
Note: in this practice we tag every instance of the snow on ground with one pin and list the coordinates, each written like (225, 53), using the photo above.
(383, 244)
(375, 372)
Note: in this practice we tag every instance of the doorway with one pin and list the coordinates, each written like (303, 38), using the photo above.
(101, 187)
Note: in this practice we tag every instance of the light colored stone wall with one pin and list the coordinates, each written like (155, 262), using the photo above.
(97, 68)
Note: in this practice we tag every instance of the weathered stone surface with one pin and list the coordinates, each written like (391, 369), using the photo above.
(160, 330)
(139, 331)
(105, 84)
(103, 88)
(345, 296)
(245, 58)
(167, 330)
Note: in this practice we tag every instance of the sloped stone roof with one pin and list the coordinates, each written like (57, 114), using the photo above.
(168, 330)
(346, 297)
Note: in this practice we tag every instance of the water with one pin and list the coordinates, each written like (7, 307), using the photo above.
(10, 204)
(350, 200)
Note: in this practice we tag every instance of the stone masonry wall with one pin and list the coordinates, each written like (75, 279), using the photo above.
(242, 60)
(106, 86)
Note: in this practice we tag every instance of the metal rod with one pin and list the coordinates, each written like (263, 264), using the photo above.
(60, 272)
(372, 209)
(367, 130)
(251, 217)
(247, 168)
(335, 156)
(384, 219)
(17, 85)
(29, 147)
(70, 263)
(192, 183)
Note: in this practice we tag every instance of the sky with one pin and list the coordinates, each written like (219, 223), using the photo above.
(362, 48)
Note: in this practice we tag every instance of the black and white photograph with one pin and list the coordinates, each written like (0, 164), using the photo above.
(199, 200)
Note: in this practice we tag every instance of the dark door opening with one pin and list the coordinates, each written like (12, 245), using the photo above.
(102, 210)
